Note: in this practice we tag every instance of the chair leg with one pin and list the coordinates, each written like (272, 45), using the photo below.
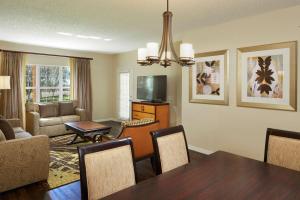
(153, 163)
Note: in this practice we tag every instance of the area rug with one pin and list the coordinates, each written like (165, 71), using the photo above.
(64, 167)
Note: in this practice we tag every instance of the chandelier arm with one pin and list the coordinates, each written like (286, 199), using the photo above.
(162, 42)
(167, 34)
(171, 40)
(168, 5)
(164, 39)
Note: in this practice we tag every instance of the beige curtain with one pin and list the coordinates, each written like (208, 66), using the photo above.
(12, 105)
(81, 84)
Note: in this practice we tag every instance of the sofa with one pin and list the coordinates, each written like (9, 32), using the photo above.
(24, 159)
(48, 119)
(139, 131)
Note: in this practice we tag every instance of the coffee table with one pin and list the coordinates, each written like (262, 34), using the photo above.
(87, 130)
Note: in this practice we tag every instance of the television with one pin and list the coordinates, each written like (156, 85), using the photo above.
(152, 88)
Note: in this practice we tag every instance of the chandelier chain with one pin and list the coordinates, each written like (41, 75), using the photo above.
(168, 5)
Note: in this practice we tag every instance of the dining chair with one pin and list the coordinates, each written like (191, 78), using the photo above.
(106, 168)
(170, 148)
(282, 148)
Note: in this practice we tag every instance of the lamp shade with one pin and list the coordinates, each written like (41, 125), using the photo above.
(142, 53)
(4, 82)
(152, 49)
(186, 50)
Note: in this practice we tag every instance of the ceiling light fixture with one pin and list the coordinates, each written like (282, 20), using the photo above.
(107, 39)
(165, 53)
(64, 33)
(83, 36)
(94, 37)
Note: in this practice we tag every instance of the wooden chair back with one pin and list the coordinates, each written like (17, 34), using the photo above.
(170, 148)
(282, 148)
(106, 168)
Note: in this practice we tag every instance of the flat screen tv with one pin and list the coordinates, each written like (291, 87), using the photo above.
(152, 88)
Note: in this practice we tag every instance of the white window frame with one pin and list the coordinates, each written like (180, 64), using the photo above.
(38, 87)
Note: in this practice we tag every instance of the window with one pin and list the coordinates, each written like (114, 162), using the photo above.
(124, 96)
(47, 83)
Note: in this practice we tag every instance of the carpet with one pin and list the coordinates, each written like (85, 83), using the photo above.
(64, 167)
(64, 161)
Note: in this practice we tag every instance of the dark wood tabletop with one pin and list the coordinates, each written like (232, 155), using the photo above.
(86, 126)
(219, 176)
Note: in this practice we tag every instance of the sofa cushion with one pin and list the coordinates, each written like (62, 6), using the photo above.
(22, 135)
(6, 129)
(18, 130)
(2, 136)
(66, 108)
(70, 118)
(50, 121)
(48, 110)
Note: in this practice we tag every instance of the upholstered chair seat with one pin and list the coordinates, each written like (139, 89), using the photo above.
(106, 168)
(283, 149)
(170, 148)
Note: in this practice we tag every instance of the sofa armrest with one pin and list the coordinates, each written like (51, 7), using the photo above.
(82, 113)
(14, 122)
(33, 123)
(26, 165)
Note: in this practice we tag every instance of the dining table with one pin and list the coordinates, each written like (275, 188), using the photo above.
(220, 175)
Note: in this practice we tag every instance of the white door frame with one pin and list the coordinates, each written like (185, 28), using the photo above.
(130, 91)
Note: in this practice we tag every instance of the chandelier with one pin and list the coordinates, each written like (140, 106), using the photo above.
(165, 53)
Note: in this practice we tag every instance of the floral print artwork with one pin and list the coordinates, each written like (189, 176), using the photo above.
(265, 76)
(208, 78)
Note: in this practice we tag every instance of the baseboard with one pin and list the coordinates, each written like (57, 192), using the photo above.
(200, 150)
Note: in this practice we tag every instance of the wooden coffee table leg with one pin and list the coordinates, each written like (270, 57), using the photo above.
(74, 139)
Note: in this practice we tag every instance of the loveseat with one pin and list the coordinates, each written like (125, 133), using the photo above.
(48, 119)
(24, 159)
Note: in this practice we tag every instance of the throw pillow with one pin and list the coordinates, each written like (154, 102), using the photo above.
(7, 130)
(66, 108)
(2, 136)
(48, 110)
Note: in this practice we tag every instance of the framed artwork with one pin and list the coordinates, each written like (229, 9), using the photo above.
(267, 76)
(208, 78)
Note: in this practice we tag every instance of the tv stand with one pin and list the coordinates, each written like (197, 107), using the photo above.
(157, 111)
(153, 101)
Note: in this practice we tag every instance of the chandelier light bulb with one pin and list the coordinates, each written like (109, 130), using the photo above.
(186, 51)
(142, 53)
(193, 54)
(152, 49)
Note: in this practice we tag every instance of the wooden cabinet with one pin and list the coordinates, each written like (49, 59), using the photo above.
(156, 111)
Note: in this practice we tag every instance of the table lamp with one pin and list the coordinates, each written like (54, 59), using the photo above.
(4, 83)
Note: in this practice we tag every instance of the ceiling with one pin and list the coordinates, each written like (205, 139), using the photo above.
(129, 23)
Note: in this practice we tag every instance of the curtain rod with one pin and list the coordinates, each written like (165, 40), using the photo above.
(45, 54)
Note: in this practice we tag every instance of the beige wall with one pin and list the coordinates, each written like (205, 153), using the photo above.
(102, 71)
(126, 62)
(231, 128)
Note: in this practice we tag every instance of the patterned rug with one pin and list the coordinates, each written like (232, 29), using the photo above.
(64, 167)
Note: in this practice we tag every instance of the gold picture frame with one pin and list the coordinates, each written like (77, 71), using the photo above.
(217, 92)
(270, 81)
